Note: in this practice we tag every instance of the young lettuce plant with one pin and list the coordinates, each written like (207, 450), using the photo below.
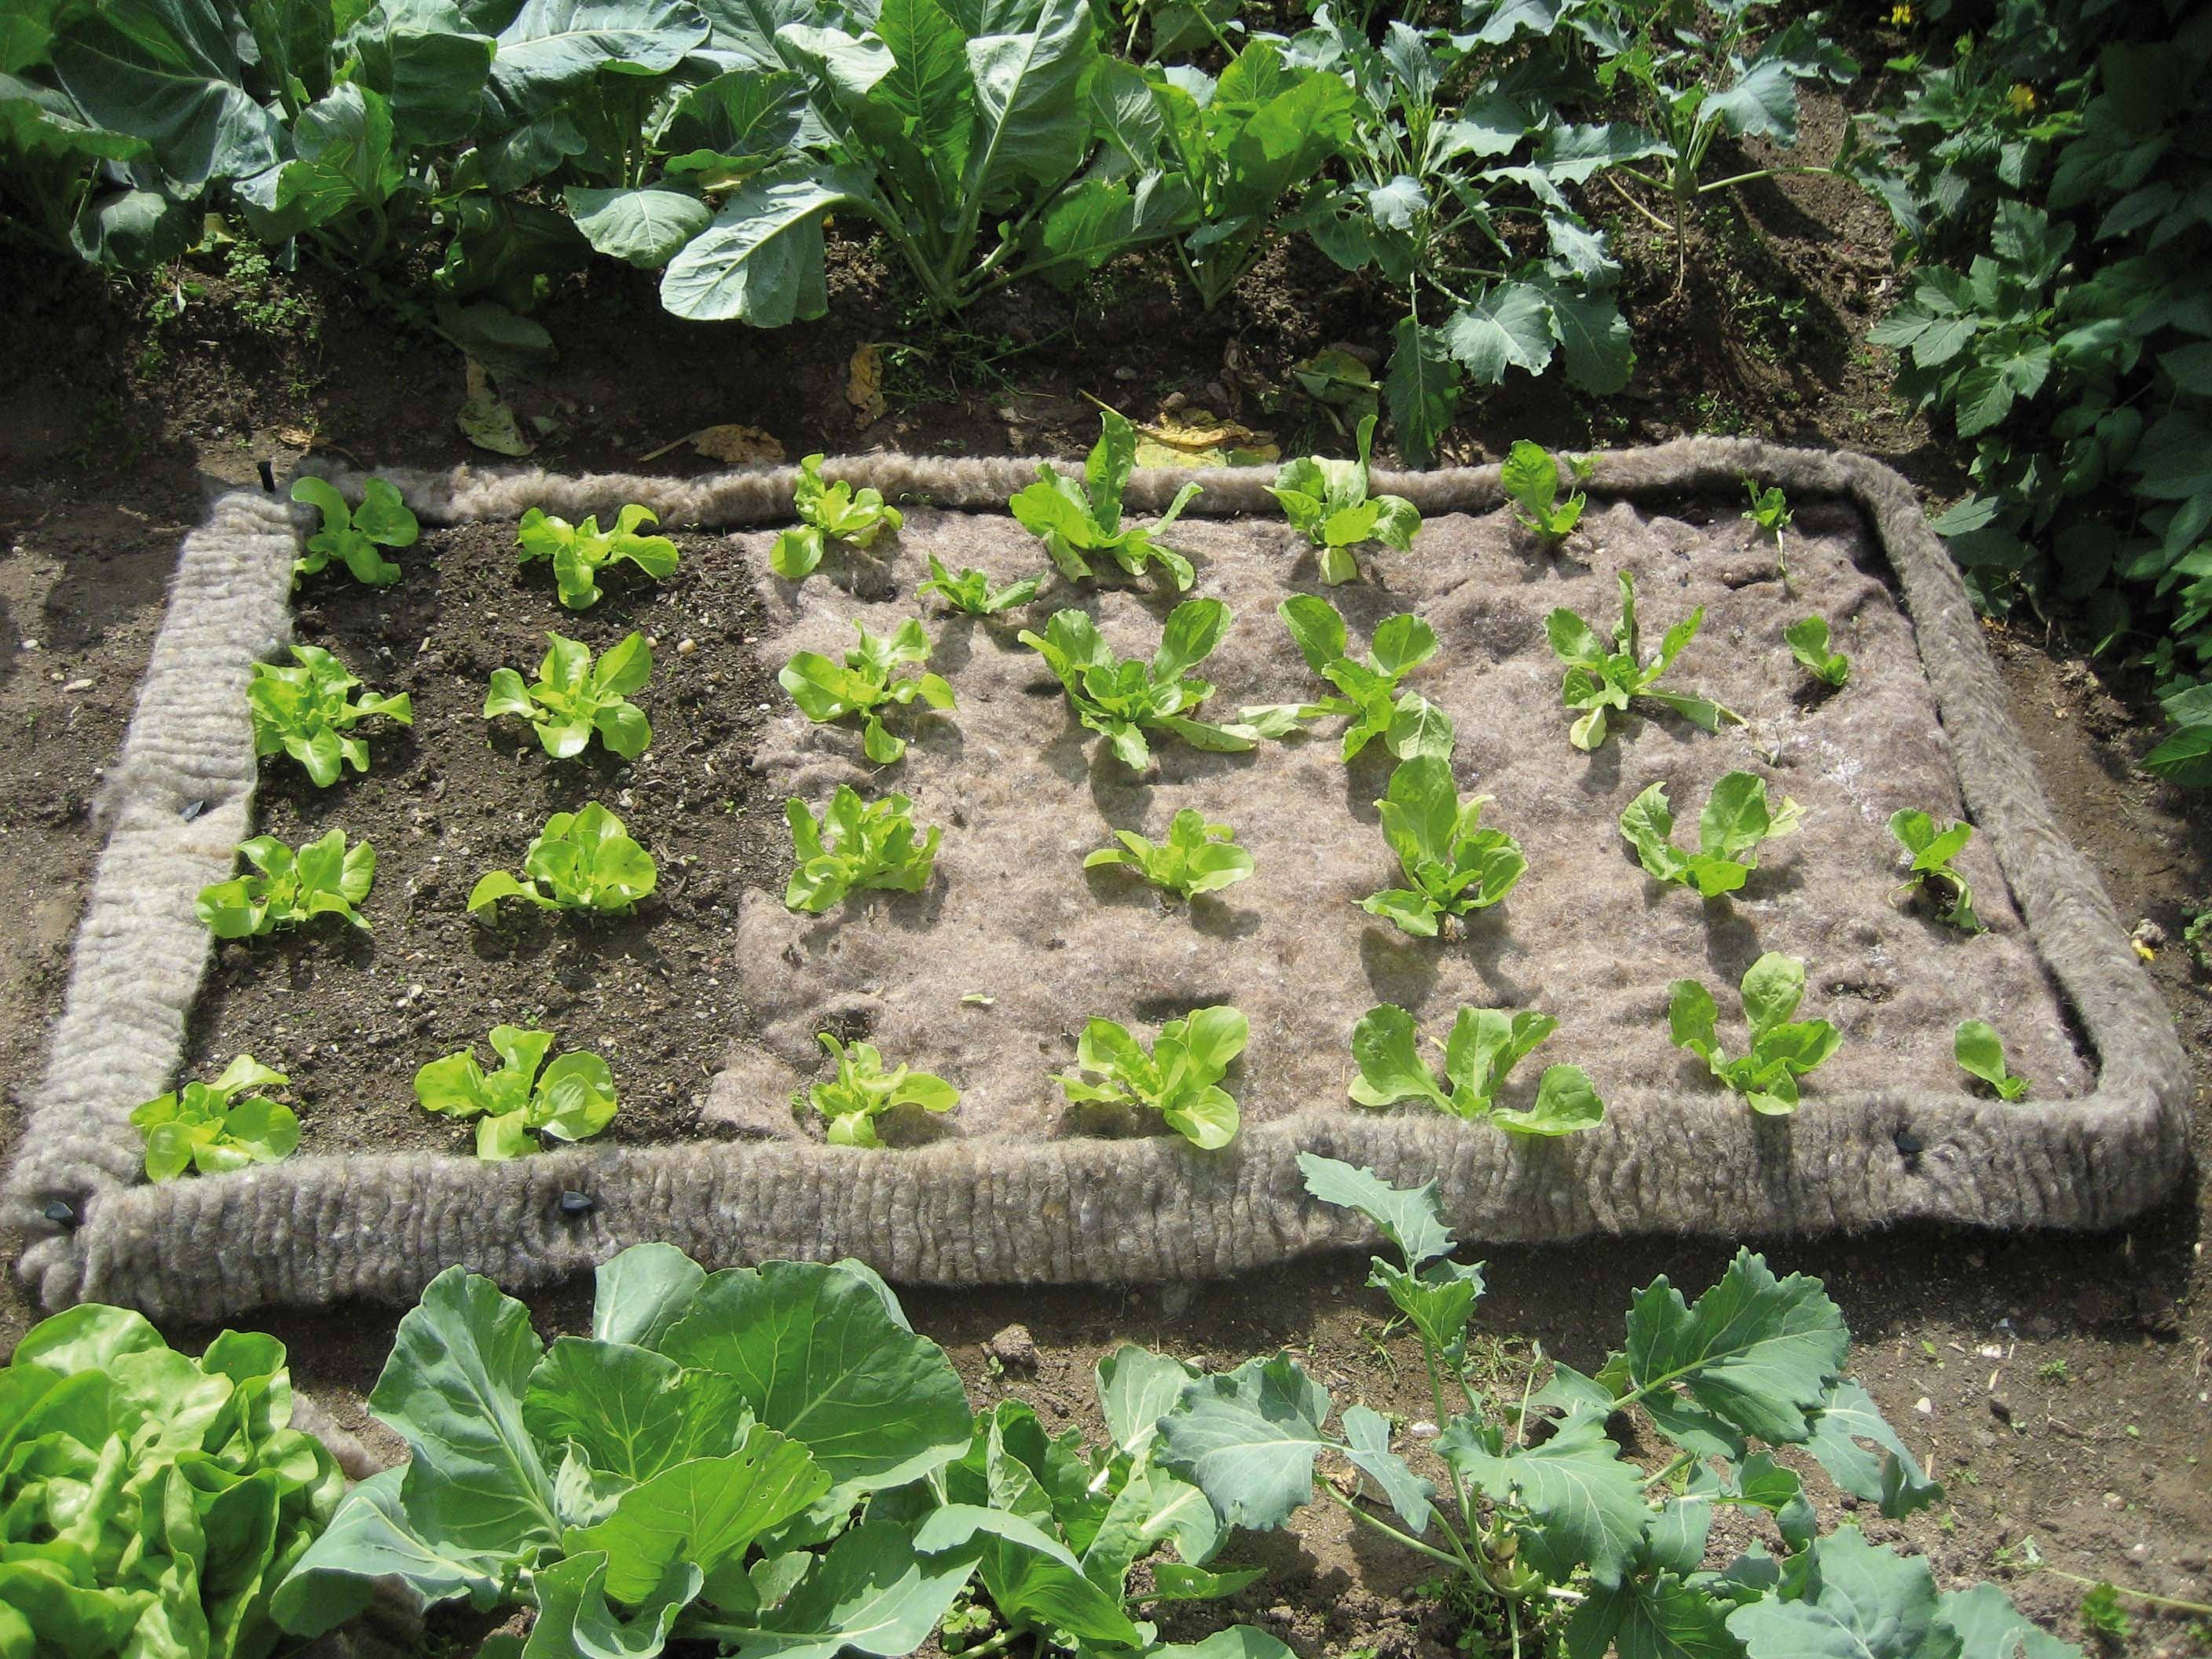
(1197, 857)
(1599, 682)
(864, 684)
(1530, 477)
(579, 551)
(583, 860)
(855, 846)
(1076, 520)
(215, 1128)
(352, 535)
(828, 512)
(1485, 1046)
(1121, 700)
(1769, 512)
(1931, 873)
(572, 1099)
(1980, 1053)
(1452, 865)
(575, 696)
(1782, 1050)
(1328, 502)
(972, 594)
(1736, 819)
(1807, 640)
(863, 1092)
(304, 712)
(1180, 1078)
(324, 877)
(1407, 722)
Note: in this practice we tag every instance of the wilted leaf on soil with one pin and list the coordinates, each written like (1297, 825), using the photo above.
(737, 445)
(485, 420)
(864, 385)
(1338, 380)
(1196, 437)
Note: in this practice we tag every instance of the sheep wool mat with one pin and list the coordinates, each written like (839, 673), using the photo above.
(988, 975)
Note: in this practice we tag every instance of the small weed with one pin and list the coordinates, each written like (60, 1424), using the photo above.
(263, 300)
(2055, 1370)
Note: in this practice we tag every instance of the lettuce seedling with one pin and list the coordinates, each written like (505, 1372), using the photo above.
(1782, 1050)
(863, 1092)
(825, 691)
(1078, 519)
(1931, 872)
(572, 1099)
(1769, 512)
(971, 593)
(828, 512)
(1408, 723)
(580, 861)
(1530, 476)
(1452, 864)
(1485, 1046)
(1598, 680)
(1808, 642)
(352, 535)
(323, 877)
(1197, 857)
(1180, 1078)
(575, 696)
(1120, 700)
(215, 1128)
(304, 712)
(1328, 501)
(855, 846)
(1736, 818)
(579, 550)
(1980, 1053)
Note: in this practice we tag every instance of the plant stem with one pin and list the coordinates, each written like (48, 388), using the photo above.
(1756, 174)
(1382, 1526)
(2133, 1595)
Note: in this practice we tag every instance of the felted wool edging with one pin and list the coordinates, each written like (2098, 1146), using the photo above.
(314, 1230)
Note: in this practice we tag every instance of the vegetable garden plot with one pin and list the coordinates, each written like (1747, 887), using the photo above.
(964, 979)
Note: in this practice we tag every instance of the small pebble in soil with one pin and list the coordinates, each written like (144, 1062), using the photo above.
(1014, 1348)
(685, 647)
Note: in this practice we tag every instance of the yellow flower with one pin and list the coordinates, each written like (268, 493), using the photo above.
(2021, 97)
(1900, 15)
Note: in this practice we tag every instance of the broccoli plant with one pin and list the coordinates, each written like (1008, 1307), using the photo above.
(581, 860)
(1485, 1046)
(1770, 513)
(863, 1092)
(1931, 873)
(215, 1128)
(1197, 857)
(1808, 642)
(1980, 1053)
(578, 551)
(1736, 819)
(1452, 865)
(352, 535)
(1782, 1050)
(1407, 722)
(1121, 700)
(828, 512)
(972, 594)
(1180, 1078)
(304, 712)
(1530, 477)
(1599, 682)
(1079, 519)
(324, 877)
(855, 846)
(572, 1099)
(864, 685)
(575, 696)
(1327, 500)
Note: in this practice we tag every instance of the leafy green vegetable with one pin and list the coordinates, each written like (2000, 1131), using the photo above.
(863, 1092)
(352, 535)
(828, 512)
(209, 1128)
(855, 846)
(579, 551)
(972, 594)
(1599, 680)
(575, 696)
(1782, 1050)
(582, 860)
(1452, 864)
(1180, 1077)
(1980, 1053)
(304, 712)
(1931, 873)
(2185, 756)
(1485, 1046)
(1736, 819)
(1408, 723)
(1808, 642)
(1769, 510)
(1077, 519)
(864, 684)
(572, 1099)
(1328, 501)
(1197, 857)
(1121, 700)
(324, 877)
(1530, 477)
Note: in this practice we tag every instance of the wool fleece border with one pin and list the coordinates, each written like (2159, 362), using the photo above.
(316, 1230)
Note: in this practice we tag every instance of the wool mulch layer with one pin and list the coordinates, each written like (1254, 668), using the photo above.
(987, 977)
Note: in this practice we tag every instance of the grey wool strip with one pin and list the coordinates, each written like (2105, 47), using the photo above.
(990, 1209)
